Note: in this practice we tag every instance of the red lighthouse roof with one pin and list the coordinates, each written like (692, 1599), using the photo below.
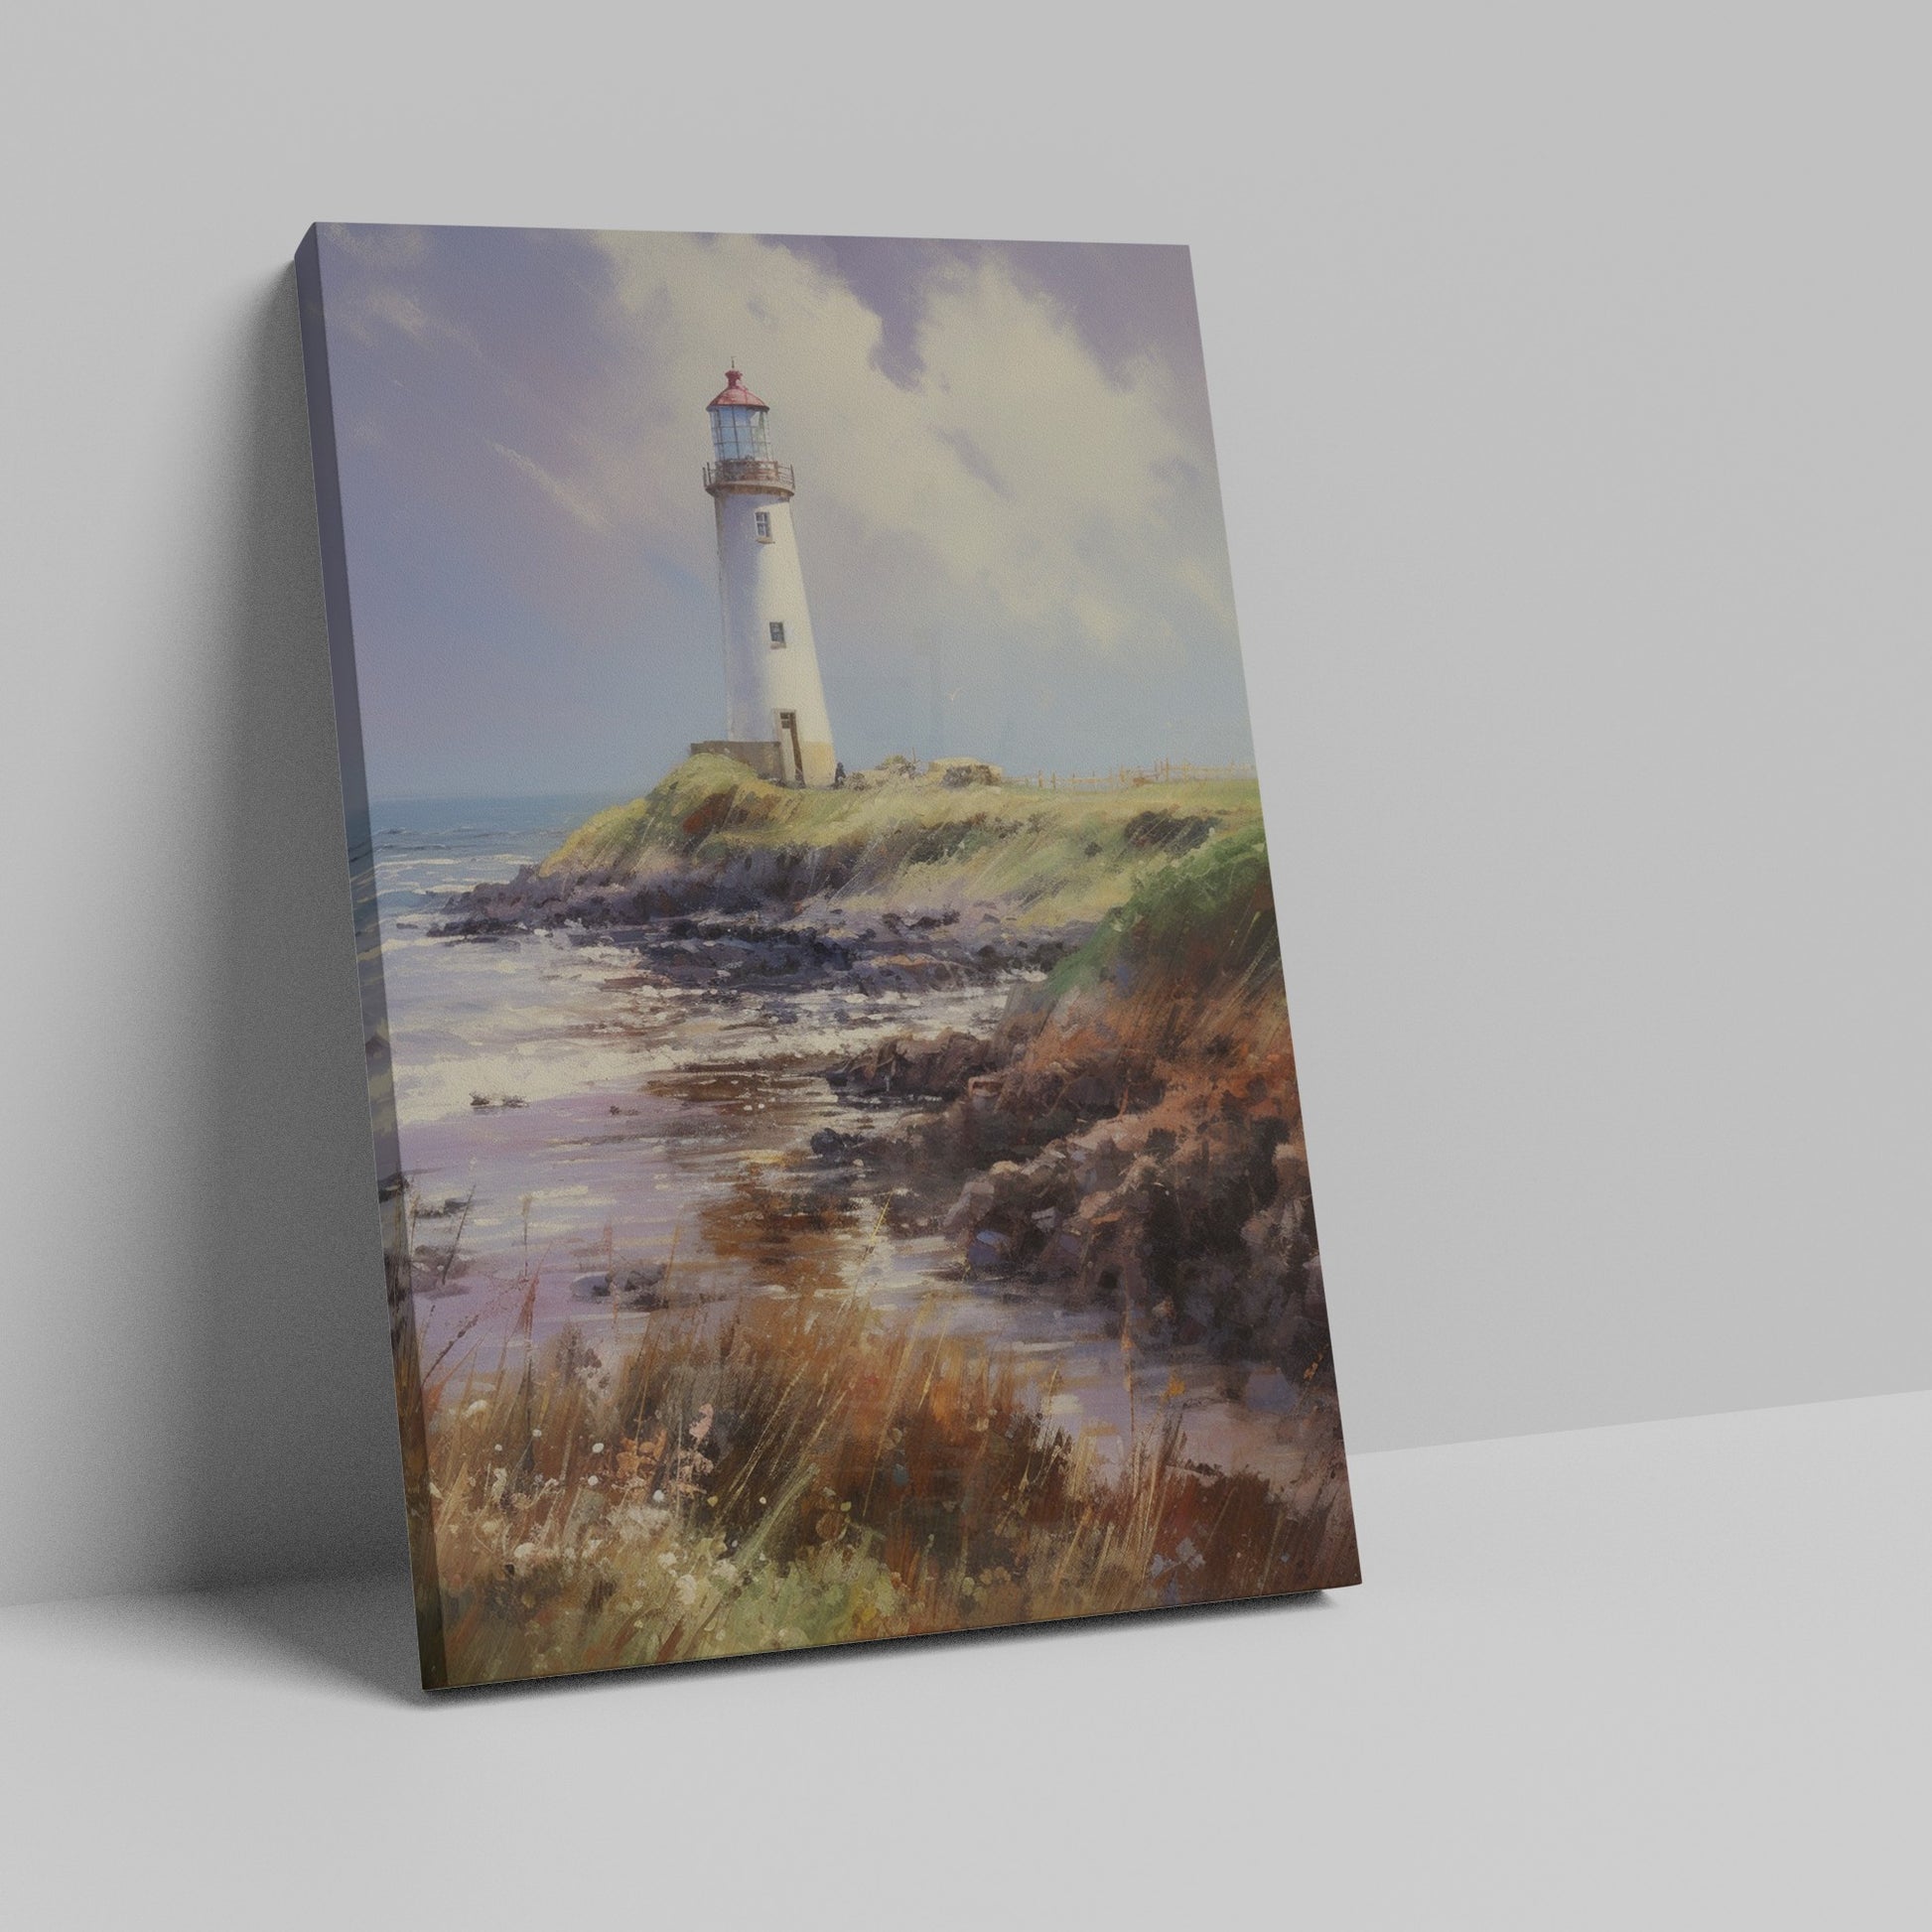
(735, 395)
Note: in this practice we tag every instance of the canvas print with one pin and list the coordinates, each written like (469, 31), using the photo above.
(838, 1149)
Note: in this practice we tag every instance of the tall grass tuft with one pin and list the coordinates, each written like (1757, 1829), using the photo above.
(805, 1471)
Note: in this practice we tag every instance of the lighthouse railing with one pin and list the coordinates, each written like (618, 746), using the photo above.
(753, 471)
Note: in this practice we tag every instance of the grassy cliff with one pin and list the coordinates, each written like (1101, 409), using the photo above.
(1044, 858)
(1132, 1134)
(1206, 920)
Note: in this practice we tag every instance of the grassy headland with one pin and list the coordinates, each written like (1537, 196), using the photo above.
(711, 836)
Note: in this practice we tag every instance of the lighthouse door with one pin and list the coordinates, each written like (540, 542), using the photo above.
(788, 724)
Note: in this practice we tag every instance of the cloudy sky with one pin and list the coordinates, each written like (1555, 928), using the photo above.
(1006, 508)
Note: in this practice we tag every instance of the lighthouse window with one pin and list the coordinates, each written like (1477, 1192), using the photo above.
(763, 518)
(778, 637)
(738, 433)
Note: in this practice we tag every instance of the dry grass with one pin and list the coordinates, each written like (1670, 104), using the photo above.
(1044, 858)
(804, 1473)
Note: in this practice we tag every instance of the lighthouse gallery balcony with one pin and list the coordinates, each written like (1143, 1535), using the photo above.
(748, 472)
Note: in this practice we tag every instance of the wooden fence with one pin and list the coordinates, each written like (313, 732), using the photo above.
(1169, 771)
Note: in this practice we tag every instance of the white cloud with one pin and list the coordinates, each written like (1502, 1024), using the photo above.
(381, 305)
(573, 501)
(1032, 481)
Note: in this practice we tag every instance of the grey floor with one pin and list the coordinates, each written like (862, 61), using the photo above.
(1667, 1675)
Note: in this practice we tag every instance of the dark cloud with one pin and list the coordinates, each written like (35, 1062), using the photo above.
(1128, 300)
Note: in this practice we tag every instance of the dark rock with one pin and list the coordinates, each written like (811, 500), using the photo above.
(990, 1253)
(641, 1287)
(914, 1070)
(1170, 832)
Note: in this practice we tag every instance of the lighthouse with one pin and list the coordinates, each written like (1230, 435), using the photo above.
(775, 706)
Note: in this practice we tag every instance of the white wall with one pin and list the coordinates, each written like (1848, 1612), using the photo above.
(1578, 499)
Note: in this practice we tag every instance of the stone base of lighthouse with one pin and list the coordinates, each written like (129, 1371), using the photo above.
(775, 759)
(762, 758)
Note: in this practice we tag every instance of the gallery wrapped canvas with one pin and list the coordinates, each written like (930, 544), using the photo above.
(838, 1149)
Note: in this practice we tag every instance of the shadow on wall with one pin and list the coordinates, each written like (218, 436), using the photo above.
(289, 1465)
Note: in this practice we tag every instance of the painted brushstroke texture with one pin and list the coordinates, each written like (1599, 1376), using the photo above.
(812, 1216)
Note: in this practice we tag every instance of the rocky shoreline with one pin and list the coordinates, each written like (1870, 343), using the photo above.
(1191, 1214)
(682, 938)
(1128, 1135)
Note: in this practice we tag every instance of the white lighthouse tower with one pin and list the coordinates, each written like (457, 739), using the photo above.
(775, 706)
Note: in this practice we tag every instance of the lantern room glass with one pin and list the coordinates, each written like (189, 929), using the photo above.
(738, 433)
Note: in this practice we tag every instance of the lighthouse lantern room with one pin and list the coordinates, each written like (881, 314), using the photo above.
(775, 705)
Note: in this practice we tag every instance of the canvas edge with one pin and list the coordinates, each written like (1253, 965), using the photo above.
(359, 835)
(1268, 821)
